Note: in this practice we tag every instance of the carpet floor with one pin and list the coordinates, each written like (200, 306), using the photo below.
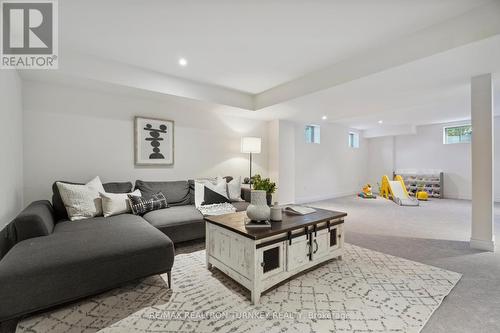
(368, 291)
(436, 233)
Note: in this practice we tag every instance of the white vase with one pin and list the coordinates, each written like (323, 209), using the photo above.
(258, 210)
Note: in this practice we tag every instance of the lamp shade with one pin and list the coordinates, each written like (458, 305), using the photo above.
(250, 145)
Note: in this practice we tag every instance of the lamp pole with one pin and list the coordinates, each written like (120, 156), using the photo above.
(250, 170)
(250, 145)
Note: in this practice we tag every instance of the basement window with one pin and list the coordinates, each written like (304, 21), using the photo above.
(457, 134)
(312, 134)
(353, 140)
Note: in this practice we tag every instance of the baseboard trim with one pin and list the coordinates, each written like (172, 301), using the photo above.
(314, 198)
(482, 245)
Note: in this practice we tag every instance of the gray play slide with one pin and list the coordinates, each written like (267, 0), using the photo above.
(400, 196)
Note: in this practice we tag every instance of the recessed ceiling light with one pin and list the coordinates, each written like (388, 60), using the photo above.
(380, 121)
(324, 117)
(183, 62)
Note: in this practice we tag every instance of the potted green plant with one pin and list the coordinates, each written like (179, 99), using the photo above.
(264, 184)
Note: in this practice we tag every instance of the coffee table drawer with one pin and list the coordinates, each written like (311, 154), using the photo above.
(297, 253)
(321, 246)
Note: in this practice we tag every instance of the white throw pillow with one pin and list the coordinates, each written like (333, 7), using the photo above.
(234, 189)
(82, 201)
(199, 192)
(116, 203)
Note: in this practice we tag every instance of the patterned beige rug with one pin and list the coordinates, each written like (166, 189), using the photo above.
(368, 291)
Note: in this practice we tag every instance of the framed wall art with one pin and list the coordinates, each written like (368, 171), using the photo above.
(154, 141)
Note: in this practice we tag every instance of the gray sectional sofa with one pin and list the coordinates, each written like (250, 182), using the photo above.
(47, 260)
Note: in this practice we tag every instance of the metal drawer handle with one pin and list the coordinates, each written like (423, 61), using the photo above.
(317, 246)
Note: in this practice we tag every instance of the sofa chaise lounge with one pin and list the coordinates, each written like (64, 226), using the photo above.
(47, 260)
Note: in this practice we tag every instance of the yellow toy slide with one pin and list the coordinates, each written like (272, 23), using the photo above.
(396, 190)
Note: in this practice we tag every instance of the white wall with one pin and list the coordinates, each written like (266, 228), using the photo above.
(329, 169)
(73, 133)
(426, 150)
(388, 130)
(380, 159)
(11, 146)
(312, 172)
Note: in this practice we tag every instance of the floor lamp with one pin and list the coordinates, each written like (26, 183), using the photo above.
(250, 145)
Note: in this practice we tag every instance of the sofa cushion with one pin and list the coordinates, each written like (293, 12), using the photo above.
(34, 221)
(240, 205)
(78, 259)
(176, 192)
(173, 216)
(59, 209)
(191, 185)
(179, 223)
(185, 232)
(118, 187)
(7, 238)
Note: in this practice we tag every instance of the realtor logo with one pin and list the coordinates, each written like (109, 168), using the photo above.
(29, 34)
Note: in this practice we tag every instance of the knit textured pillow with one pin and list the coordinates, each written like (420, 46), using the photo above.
(142, 205)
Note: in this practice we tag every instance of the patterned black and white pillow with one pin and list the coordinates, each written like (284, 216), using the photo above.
(142, 205)
(212, 197)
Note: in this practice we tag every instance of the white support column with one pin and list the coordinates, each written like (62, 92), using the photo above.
(282, 159)
(482, 235)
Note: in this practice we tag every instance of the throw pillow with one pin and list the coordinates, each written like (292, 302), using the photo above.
(219, 187)
(141, 205)
(234, 189)
(117, 203)
(212, 197)
(82, 201)
(199, 192)
(218, 184)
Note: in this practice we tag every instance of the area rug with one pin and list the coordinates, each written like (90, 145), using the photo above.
(367, 291)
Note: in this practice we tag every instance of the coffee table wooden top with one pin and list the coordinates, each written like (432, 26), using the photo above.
(236, 222)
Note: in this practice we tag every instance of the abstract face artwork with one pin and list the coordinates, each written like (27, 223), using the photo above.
(154, 141)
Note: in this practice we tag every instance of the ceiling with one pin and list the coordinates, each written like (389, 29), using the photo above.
(431, 90)
(357, 62)
(250, 46)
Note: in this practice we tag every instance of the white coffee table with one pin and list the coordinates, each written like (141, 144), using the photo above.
(261, 258)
